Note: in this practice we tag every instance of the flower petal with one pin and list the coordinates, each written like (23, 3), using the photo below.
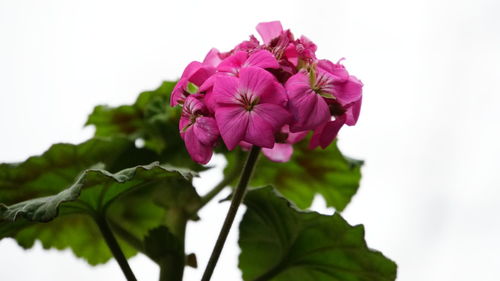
(297, 85)
(291, 54)
(349, 92)
(210, 101)
(275, 94)
(296, 137)
(263, 59)
(311, 110)
(245, 145)
(338, 71)
(308, 108)
(352, 113)
(183, 123)
(269, 30)
(212, 58)
(232, 122)
(233, 63)
(206, 130)
(208, 84)
(248, 45)
(281, 152)
(274, 115)
(197, 73)
(191, 68)
(198, 151)
(326, 133)
(179, 92)
(259, 132)
(256, 81)
(225, 89)
(193, 105)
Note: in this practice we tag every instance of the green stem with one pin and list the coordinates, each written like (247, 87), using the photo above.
(236, 171)
(114, 247)
(238, 195)
(126, 236)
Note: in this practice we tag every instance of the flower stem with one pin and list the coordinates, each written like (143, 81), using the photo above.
(238, 195)
(231, 176)
(126, 236)
(114, 247)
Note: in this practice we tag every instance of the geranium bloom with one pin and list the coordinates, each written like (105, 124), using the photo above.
(198, 130)
(344, 113)
(344, 87)
(268, 94)
(305, 92)
(310, 94)
(250, 108)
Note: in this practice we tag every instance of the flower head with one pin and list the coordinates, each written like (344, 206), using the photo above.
(269, 94)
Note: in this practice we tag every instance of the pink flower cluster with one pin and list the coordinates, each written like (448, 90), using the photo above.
(268, 94)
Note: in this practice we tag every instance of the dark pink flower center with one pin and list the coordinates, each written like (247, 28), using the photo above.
(247, 100)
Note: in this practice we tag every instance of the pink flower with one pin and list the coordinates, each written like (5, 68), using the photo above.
(197, 129)
(344, 113)
(344, 87)
(250, 108)
(283, 148)
(308, 107)
(194, 75)
(312, 93)
(268, 95)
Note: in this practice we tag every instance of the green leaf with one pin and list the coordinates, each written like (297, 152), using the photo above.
(281, 243)
(150, 119)
(167, 250)
(91, 193)
(58, 167)
(326, 172)
(160, 243)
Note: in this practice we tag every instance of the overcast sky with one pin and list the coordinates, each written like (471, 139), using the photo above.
(429, 127)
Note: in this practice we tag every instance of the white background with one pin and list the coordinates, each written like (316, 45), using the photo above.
(429, 128)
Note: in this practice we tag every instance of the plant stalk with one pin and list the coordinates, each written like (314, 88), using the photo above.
(114, 247)
(233, 174)
(238, 196)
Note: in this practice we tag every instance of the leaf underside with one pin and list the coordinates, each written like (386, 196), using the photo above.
(281, 243)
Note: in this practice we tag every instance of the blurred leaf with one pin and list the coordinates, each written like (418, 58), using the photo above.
(326, 172)
(56, 169)
(281, 243)
(160, 243)
(151, 120)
